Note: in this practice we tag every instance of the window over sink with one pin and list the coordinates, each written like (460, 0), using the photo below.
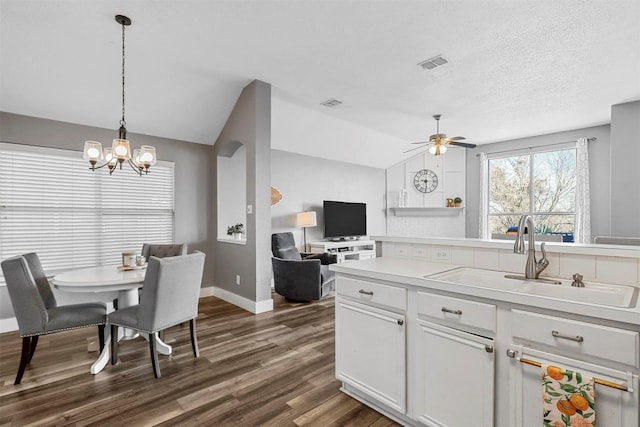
(541, 184)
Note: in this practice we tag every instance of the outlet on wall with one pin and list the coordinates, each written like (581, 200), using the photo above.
(237, 279)
(420, 253)
(441, 254)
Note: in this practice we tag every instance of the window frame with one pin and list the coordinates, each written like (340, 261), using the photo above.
(531, 152)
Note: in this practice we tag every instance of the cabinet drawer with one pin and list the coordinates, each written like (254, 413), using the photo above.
(457, 312)
(590, 339)
(369, 292)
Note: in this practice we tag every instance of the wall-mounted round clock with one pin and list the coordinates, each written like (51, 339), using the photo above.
(425, 181)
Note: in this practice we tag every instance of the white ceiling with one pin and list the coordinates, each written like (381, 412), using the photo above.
(516, 68)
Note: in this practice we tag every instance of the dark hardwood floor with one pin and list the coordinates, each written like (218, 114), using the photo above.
(272, 369)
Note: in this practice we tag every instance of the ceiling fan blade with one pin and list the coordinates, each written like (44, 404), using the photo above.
(421, 142)
(412, 149)
(463, 144)
(456, 138)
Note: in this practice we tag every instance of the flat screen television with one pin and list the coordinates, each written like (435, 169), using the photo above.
(344, 219)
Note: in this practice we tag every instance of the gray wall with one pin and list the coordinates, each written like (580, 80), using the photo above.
(193, 178)
(625, 170)
(249, 124)
(306, 181)
(599, 169)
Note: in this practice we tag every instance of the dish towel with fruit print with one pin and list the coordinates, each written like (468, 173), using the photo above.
(568, 398)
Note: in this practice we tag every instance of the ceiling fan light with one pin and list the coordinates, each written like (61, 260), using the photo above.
(437, 149)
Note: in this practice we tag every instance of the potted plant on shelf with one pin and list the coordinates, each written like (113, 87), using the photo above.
(236, 231)
(457, 201)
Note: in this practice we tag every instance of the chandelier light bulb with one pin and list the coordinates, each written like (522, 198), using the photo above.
(121, 149)
(92, 151)
(148, 155)
(108, 155)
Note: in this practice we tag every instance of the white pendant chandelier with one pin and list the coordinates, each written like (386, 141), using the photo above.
(141, 159)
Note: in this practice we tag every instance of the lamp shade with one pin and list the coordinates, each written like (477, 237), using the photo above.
(121, 149)
(306, 219)
(92, 151)
(147, 155)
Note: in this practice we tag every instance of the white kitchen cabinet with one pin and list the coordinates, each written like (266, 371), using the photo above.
(471, 353)
(370, 352)
(615, 408)
(599, 351)
(453, 381)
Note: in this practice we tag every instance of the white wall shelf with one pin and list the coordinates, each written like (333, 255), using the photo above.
(427, 211)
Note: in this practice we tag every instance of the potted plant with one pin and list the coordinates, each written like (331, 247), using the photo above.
(457, 201)
(236, 231)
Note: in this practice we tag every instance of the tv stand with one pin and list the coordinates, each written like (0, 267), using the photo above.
(346, 250)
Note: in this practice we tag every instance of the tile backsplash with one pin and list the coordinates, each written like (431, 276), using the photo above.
(604, 269)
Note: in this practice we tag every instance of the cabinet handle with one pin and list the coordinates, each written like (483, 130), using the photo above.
(448, 310)
(362, 291)
(577, 338)
(488, 348)
(400, 322)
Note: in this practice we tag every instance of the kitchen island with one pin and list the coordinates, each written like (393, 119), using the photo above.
(424, 348)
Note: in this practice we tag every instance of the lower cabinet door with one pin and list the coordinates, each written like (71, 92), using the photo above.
(370, 352)
(453, 378)
(615, 408)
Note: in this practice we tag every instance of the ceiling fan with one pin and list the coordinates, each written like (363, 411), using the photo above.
(438, 142)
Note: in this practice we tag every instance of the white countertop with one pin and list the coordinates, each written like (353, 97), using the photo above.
(412, 272)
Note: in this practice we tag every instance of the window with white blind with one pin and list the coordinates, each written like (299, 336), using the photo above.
(52, 204)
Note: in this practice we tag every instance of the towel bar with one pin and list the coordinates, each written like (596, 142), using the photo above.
(512, 354)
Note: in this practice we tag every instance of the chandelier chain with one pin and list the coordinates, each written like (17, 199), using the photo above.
(122, 121)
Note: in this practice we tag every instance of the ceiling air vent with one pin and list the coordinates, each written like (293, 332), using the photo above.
(432, 63)
(331, 103)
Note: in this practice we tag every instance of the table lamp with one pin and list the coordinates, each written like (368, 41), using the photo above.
(304, 220)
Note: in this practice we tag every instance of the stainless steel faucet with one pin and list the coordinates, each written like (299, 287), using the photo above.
(533, 267)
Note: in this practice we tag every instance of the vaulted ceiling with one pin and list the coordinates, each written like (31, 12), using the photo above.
(515, 68)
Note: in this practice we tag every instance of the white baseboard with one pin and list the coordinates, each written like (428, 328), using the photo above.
(8, 325)
(255, 307)
(11, 324)
(206, 292)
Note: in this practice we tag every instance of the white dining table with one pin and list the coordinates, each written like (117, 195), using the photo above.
(105, 279)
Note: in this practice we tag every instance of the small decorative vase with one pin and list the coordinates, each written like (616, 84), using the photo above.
(237, 236)
(456, 204)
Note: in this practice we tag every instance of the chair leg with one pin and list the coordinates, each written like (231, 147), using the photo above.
(154, 354)
(101, 337)
(114, 344)
(32, 350)
(194, 338)
(24, 358)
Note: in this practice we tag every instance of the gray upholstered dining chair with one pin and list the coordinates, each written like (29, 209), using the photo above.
(169, 296)
(36, 309)
(163, 250)
(159, 250)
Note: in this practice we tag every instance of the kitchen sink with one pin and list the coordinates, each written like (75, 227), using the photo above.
(478, 277)
(591, 293)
